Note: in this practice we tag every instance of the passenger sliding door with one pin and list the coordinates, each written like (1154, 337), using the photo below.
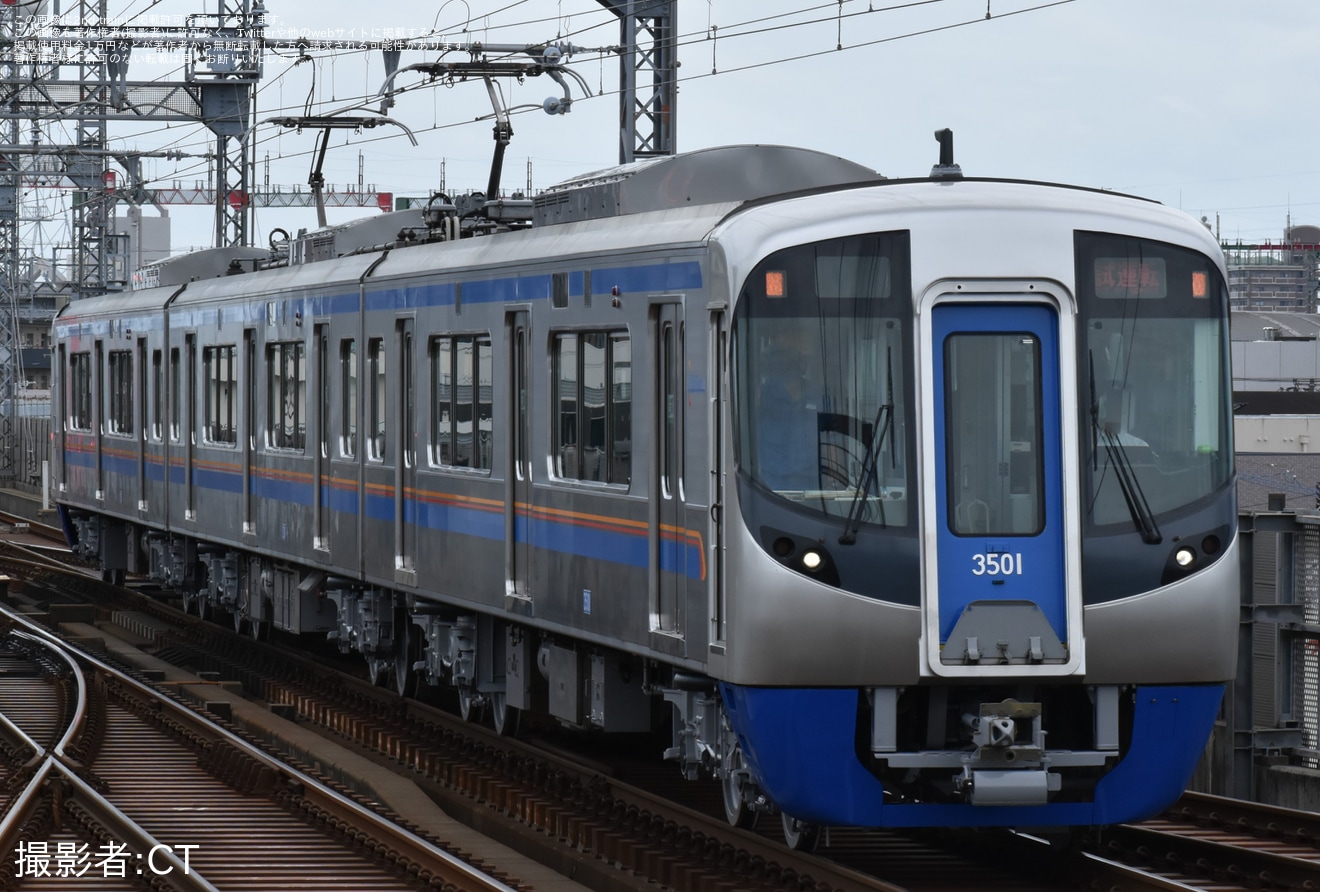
(141, 422)
(98, 418)
(249, 433)
(405, 467)
(669, 524)
(998, 595)
(188, 427)
(518, 479)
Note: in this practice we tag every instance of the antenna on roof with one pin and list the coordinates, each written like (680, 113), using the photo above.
(946, 169)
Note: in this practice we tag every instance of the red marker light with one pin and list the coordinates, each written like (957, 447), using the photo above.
(775, 285)
(1200, 285)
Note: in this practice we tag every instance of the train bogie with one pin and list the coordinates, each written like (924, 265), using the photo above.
(909, 501)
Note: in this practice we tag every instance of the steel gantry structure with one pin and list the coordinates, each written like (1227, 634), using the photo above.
(68, 76)
(222, 53)
(648, 77)
(72, 70)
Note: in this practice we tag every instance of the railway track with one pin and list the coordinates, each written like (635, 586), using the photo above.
(1209, 842)
(604, 822)
(122, 784)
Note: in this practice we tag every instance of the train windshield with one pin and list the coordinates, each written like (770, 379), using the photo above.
(1154, 411)
(819, 377)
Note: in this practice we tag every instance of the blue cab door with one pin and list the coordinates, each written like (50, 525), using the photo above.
(1000, 590)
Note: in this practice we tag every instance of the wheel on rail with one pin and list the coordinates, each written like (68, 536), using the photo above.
(799, 835)
(113, 577)
(737, 810)
(503, 716)
(469, 703)
(406, 652)
(380, 670)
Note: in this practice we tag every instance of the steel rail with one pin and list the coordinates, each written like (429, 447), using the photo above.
(54, 767)
(409, 844)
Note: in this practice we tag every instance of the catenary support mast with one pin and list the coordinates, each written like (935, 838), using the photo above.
(648, 77)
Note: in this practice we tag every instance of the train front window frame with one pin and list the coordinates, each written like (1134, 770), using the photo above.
(821, 376)
(1154, 417)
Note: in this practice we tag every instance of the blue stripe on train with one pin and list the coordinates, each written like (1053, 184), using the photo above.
(614, 546)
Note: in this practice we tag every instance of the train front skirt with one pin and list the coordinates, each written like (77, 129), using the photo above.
(800, 745)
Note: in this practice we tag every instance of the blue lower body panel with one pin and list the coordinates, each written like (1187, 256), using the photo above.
(800, 745)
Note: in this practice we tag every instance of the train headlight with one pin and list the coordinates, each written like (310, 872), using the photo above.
(1184, 556)
(807, 556)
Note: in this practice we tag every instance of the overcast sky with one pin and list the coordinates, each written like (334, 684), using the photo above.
(1206, 105)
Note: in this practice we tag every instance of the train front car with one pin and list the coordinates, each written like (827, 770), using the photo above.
(981, 564)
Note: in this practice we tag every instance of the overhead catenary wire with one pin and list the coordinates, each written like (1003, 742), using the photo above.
(196, 136)
(760, 28)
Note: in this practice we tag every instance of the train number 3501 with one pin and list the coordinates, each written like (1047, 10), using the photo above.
(997, 564)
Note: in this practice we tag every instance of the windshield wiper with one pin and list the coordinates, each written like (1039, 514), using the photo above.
(1137, 505)
(871, 461)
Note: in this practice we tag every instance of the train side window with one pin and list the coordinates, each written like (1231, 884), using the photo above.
(80, 391)
(157, 394)
(620, 409)
(593, 417)
(461, 417)
(220, 383)
(442, 393)
(567, 462)
(483, 417)
(176, 390)
(464, 391)
(286, 399)
(120, 417)
(376, 374)
(348, 364)
(323, 384)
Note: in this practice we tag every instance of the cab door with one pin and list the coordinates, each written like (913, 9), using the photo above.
(997, 596)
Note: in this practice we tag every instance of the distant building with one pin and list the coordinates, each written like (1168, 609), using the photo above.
(1281, 277)
(148, 237)
(1276, 408)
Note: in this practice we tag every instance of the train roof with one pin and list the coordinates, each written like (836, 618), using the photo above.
(961, 201)
(672, 202)
(706, 176)
(659, 230)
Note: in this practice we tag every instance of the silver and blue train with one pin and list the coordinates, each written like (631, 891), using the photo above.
(900, 502)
